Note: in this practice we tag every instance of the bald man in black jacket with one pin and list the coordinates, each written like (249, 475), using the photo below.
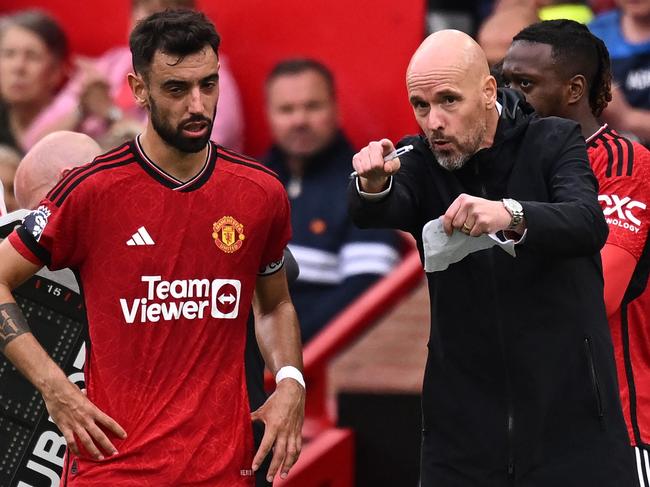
(520, 384)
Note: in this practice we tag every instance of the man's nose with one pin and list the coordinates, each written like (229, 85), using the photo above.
(435, 120)
(299, 117)
(196, 101)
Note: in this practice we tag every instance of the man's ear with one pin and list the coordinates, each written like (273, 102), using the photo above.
(139, 89)
(490, 92)
(576, 89)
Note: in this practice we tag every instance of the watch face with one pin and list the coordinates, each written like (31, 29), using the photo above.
(513, 206)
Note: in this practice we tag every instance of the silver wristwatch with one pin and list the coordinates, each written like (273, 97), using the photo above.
(516, 212)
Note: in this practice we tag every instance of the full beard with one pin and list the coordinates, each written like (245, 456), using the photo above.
(175, 137)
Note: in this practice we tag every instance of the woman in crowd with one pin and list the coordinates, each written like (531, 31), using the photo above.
(33, 55)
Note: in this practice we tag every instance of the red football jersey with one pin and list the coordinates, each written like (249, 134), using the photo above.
(623, 171)
(168, 270)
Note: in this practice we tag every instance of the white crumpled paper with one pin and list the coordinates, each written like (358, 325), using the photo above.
(441, 250)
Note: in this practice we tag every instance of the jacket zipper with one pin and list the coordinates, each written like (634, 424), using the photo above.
(594, 381)
(510, 420)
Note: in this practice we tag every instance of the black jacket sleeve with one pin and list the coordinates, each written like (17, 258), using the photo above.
(399, 209)
(572, 222)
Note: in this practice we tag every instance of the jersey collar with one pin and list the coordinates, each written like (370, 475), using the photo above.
(167, 179)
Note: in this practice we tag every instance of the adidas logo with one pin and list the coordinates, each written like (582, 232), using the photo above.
(141, 237)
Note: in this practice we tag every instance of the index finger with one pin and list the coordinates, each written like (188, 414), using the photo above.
(449, 215)
(98, 436)
(387, 146)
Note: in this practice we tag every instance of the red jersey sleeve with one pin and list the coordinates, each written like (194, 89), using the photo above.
(279, 232)
(624, 199)
(53, 233)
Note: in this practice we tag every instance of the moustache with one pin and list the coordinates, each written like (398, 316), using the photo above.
(439, 136)
(195, 119)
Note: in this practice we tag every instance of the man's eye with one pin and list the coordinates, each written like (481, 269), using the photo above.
(524, 83)
(449, 100)
(506, 83)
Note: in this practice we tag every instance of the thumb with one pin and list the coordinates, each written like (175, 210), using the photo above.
(387, 146)
(392, 167)
(257, 415)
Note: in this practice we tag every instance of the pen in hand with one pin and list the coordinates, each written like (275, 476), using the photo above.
(396, 153)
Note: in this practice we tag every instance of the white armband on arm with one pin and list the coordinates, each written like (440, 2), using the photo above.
(290, 372)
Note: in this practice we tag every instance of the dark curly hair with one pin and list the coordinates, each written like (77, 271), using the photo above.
(576, 51)
(177, 32)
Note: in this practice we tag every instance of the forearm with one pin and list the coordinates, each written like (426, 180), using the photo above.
(23, 350)
(569, 221)
(618, 268)
(278, 336)
(567, 228)
(31, 360)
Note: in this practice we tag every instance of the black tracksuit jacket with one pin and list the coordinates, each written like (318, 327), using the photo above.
(520, 383)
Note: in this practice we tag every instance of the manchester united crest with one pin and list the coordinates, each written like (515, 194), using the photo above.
(228, 234)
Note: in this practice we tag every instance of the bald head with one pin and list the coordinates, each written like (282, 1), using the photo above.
(448, 51)
(45, 163)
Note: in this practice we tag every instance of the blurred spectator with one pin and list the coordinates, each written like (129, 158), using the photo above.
(511, 16)
(600, 6)
(313, 160)
(496, 33)
(99, 102)
(626, 33)
(47, 162)
(33, 53)
(9, 160)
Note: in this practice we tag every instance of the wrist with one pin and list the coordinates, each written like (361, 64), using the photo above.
(373, 185)
(516, 212)
(290, 372)
(51, 382)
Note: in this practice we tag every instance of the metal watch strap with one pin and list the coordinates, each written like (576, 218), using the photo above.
(516, 212)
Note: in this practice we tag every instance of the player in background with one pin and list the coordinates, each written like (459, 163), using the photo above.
(565, 71)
